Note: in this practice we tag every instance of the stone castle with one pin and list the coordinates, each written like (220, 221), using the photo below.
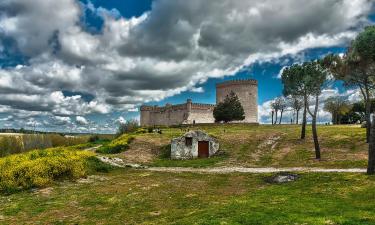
(197, 113)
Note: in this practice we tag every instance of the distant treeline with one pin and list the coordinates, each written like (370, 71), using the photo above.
(18, 143)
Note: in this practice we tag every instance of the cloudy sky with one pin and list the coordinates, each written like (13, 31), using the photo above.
(88, 65)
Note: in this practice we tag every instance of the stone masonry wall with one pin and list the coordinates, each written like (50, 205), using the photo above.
(187, 113)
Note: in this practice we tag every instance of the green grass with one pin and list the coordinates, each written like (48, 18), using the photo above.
(244, 145)
(126, 196)
(196, 163)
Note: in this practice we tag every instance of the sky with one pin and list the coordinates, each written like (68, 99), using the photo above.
(86, 66)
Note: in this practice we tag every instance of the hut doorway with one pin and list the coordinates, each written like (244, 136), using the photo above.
(203, 149)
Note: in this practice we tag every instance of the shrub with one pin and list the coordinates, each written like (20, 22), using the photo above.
(10, 145)
(150, 130)
(165, 152)
(141, 131)
(39, 168)
(94, 138)
(118, 145)
(95, 165)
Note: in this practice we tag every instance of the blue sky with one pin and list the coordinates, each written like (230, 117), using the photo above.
(95, 62)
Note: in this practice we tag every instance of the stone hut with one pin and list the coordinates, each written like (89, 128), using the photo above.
(194, 144)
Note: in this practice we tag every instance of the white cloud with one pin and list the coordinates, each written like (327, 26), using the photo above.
(81, 120)
(173, 48)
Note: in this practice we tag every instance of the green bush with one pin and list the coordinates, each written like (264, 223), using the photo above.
(39, 168)
(94, 138)
(141, 131)
(165, 152)
(95, 165)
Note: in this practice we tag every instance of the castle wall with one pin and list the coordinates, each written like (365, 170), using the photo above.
(164, 116)
(189, 113)
(202, 113)
(247, 92)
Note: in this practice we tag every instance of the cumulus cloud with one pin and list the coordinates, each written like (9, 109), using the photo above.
(172, 48)
(81, 120)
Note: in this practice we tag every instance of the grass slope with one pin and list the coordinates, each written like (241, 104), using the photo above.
(263, 146)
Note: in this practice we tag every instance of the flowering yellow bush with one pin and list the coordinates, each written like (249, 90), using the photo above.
(117, 145)
(41, 167)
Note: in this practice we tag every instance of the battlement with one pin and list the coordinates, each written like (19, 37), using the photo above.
(202, 106)
(163, 108)
(176, 107)
(237, 82)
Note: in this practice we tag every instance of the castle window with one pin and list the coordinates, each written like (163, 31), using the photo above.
(188, 141)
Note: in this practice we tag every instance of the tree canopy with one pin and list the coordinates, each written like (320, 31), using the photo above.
(338, 107)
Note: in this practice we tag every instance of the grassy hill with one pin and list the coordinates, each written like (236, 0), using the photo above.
(259, 146)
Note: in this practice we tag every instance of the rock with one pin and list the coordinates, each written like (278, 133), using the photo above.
(44, 191)
(117, 162)
(156, 213)
(282, 178)
(136, 166)
(91, 179)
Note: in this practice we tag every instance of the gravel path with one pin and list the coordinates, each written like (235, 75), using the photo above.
(220, 170)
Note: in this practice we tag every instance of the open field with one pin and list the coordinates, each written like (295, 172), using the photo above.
(259, 146)
(127, 196)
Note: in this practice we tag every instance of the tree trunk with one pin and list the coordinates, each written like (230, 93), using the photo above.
(304, 120)
(371, 150)
(281, 116)
(297, 116)
(333, 118)
(368, 119)
(275, 116)
(314, 131)
(272, 117)
(315, 137)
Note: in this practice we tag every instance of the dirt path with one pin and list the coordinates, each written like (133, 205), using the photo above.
(220, 170)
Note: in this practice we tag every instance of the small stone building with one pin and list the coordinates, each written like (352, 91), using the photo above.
(194, 144)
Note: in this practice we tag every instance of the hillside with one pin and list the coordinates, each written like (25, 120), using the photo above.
(259, 146)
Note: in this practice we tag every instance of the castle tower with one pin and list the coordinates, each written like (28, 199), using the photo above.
(246, 91)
